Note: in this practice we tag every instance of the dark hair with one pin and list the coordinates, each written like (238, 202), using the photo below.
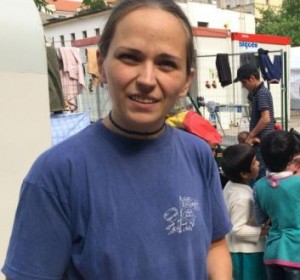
(246, 71)
(236, 159)
(256, 75)
(127, 6)
(296, 136)
(277, 150)
(242, 136)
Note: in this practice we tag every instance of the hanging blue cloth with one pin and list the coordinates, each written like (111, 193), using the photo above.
(66, 124)
(271, 71)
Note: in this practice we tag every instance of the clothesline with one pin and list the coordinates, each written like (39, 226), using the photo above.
(231, 54)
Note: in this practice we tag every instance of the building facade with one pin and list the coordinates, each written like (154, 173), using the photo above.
(62, 32)
(249, 6)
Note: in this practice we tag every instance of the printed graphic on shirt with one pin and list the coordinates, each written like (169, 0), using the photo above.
(183, 218)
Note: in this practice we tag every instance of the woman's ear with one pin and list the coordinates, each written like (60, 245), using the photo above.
(187, 84)
(101, 67)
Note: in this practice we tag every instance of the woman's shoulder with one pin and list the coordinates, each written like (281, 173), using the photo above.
(61, 154)
(190, 138)
(191, 144)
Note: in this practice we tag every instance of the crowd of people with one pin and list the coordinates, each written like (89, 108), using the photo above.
(262, 194)
(143, 200)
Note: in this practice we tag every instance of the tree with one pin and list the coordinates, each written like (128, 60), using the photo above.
(42, 5)
(93, 4)
(284, 22)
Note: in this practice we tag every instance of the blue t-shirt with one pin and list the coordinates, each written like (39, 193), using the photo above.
(102, 206)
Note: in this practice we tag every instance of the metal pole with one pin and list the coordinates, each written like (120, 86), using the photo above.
(285, 92)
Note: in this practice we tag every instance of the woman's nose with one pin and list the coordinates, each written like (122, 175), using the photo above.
(146, 75)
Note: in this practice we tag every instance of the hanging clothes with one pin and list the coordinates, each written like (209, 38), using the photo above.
(72, 75)
(249, 58)
(66, 124)
(92, 65)
(224, 71)
(55, 88)
(197, 125)
(271, 71)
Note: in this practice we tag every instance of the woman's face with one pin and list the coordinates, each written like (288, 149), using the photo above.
(145, 68)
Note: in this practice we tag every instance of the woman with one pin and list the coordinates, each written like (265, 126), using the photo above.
(128, 197)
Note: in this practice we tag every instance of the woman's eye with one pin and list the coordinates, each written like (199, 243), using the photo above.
(128, 58)
(168, 65)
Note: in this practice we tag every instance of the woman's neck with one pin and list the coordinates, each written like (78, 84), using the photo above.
(111, 124)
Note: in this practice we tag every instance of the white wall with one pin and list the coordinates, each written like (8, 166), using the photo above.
(218, 18)
(207, 48)
(75, 25)
(276, 89)
(295, 77)
(24, 104)
(197, 12)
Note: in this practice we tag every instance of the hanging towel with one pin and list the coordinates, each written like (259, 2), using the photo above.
(72, 75)
(92, 65)
(55, 88)
(271, 71)
(223, 67)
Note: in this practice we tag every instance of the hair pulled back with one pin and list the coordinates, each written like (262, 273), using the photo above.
(127, 6)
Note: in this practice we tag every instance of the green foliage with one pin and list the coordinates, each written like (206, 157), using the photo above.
(93, 4)
(290, 7)
(284, 22)
(42, 4)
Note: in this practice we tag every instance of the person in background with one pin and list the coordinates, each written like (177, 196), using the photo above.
(246, 240)
(277, 198)
(128, 197)
(261, 109)
(242, 136)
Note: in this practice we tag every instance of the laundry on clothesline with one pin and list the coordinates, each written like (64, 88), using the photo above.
(271, 71)
(72, 75)
(223, 68)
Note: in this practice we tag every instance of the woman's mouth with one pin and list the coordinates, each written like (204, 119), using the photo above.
(143, 100)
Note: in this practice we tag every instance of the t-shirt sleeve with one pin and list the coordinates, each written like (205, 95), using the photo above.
(40, 244)
(220, 217)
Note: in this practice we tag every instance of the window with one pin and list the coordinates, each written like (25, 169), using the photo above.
(73, 36)
(97, 31)
(62, 40)
(202, 24)
(84, 34)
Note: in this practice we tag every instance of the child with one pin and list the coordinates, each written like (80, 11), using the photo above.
(277, 196)
(294, 164)
(246, 240)
(242, 136)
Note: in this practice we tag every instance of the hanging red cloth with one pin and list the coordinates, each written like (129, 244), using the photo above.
(198, 125)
